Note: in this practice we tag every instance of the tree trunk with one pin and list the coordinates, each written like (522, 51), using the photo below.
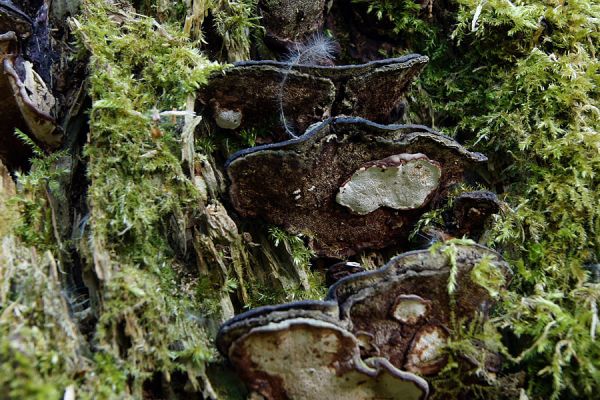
(128, 240)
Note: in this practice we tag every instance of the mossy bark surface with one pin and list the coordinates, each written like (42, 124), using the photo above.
(121, 253)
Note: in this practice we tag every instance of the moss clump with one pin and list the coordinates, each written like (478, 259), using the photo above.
(520, 81)
(233, 23)
(139, 71)
(40, 353)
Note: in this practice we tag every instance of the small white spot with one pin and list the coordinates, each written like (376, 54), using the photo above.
(228, 119)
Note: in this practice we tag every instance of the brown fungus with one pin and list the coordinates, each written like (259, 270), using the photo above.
(26, 102)
(297, 183)
(303, 358)
(406, 306)
(255, 93)
(371, 326)
(241, 324)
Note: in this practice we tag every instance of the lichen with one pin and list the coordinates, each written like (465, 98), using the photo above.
(402, 185)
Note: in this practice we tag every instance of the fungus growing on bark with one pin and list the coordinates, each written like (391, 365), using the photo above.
(310, 359)
(26, 103)
(406, 305)
(241, 324)
(295, 183)
(311, 93)
(372, 326)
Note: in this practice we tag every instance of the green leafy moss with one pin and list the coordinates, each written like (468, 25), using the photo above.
(519, 80)
(138, 72)
(234, 22)
(312, 283)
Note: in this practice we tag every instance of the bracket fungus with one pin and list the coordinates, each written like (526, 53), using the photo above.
(241, 324)
(369, 337)
(26, 101)
(313, 185)
(406, 305)
(252, 91)
(470, 212)
(311, 359)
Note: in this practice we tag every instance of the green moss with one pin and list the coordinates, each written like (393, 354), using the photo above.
(40, 345)
(236, 22)
(519, 80)
(138, 72)
(311, 283)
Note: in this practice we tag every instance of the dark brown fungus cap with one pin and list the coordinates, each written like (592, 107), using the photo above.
(405, 306)
(241, 324)
(26, 104)
(327, 184)
(248, 95)
(302, 358)
(372, 326)
(471, 211)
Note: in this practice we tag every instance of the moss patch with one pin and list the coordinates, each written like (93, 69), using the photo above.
(519, 80)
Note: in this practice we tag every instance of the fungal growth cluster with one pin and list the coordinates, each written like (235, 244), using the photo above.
(349, 184)
(246, 96)
(374, 336)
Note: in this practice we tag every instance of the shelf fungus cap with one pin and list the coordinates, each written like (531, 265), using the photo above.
(241, 324)
(348, 184)
(372, 333)
(310, 359)
(248, 95)
(405, 306)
